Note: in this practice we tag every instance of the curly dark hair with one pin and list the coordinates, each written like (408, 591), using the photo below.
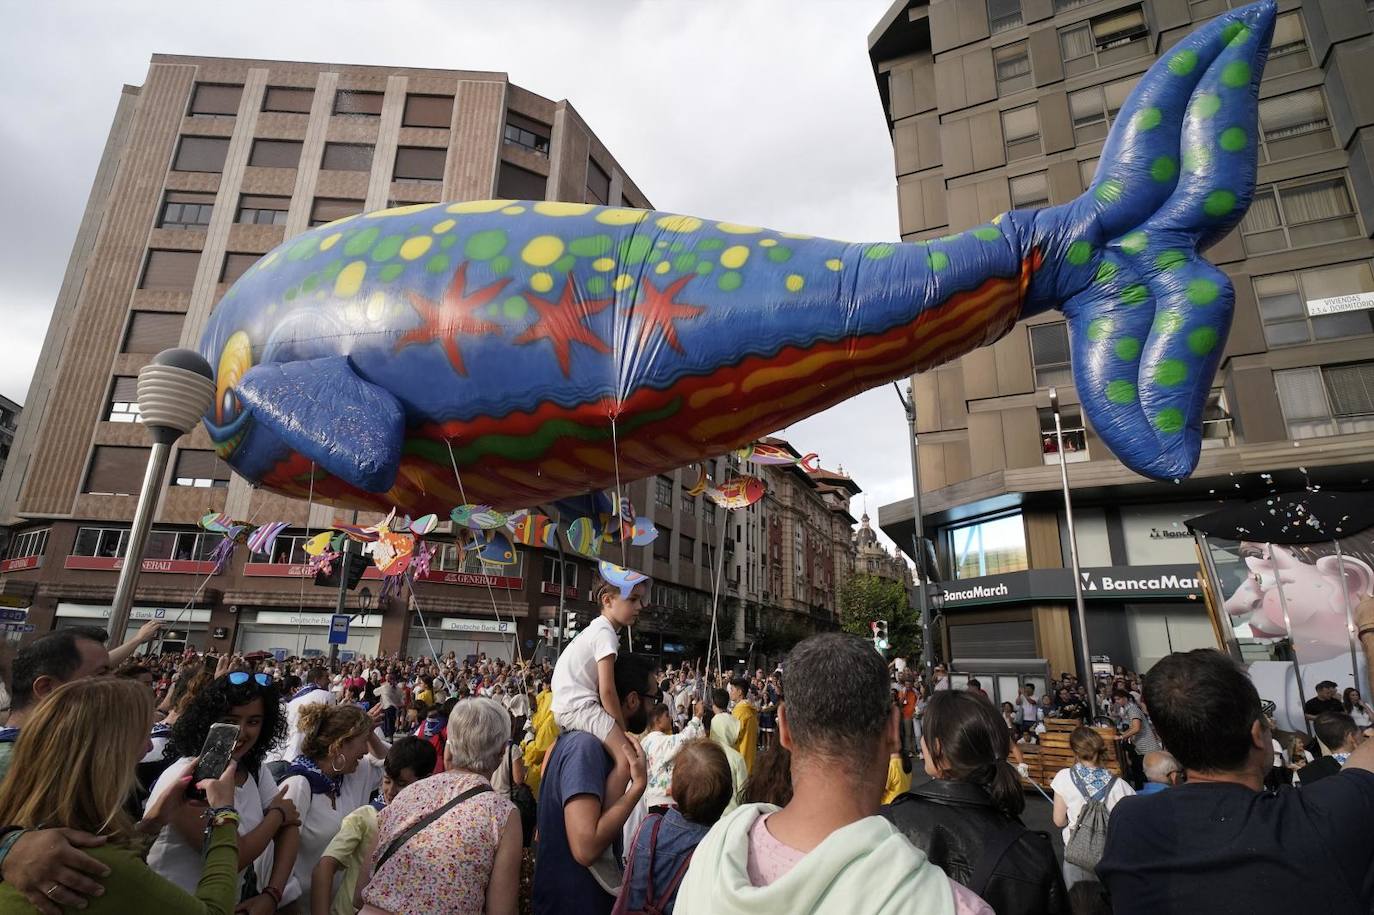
(212, 704)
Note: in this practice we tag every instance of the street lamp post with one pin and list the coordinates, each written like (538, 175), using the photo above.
(174, 392)
(918, 534)
(1084, 657)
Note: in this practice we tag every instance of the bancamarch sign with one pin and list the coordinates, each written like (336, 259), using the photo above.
(1102, 583)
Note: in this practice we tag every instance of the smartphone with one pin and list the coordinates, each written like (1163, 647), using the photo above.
(215, 754)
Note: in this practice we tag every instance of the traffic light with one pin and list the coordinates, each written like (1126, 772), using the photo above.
(356, 565)
(570, 622)
(880, 635)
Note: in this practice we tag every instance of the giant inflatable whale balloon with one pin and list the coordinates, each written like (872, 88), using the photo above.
(533, 350)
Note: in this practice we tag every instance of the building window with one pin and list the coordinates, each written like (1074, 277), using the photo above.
(262, 210)
(419, 163)
(708, 511)
(275, 153)
(186, 210)
(1075, 435)
(1050, 354)
(1327, 400)
(1003, 15)
(1063, 6)
(516, 183)
(29, 543)
(1104, 40)
(105, 542)
(568, 578)
(153, 331)
(201, 469)
(201, 154)
(284, 99)
(1021, 129)
(328, 209)
(1294, 125)
(527, 133)
(1288, 49)
(988, 547)
(170, 270)
(368, 104)
(1216, 421)
(689, 505)
(1029, 192)
(663, 543)
(1087, 169)
(180, 545)
(116, 470)
(598, 184)
(236, 265)
(1287, 300)
(215, 100)
(1292, 215)
(428, 111)
(1095, 108)
(1013, 69)
(663, 492)
(686, 547)
(347, 157)
(124, 401)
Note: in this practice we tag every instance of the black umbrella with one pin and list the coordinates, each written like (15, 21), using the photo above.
(1304, 516)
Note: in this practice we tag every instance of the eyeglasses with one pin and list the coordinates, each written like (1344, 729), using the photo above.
(240, 677)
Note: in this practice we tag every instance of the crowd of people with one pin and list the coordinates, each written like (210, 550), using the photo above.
(605, 783)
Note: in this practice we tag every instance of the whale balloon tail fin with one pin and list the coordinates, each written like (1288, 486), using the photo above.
(1147, 314)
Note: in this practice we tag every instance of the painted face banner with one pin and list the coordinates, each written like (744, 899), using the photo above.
(505, 353)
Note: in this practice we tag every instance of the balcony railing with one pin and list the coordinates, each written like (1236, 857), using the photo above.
(1075, 446)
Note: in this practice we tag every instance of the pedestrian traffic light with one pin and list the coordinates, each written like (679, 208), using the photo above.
(355, 564)
(880, 635)
(570, 621)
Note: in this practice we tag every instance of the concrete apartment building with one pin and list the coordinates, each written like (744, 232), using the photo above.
(9, 424)
(1000, 104)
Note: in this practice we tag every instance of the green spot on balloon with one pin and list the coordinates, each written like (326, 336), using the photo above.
(705, 267)
(1196, 159)
(437, 264)
(1202, 291)
(303, 249)
(1164, 168)
(684, 262)
(359, 243)
(655, 256)
(711, 244)
(1106, 271)
(291, 293)
(1232, 139)
(987, 233)
(730, 280)
(332, 270)
(310, 282)
(1121, 392)
(391, 271)
(1202, 341)
(1147, 119)
(1182, 63)
(515, 307)
(635, 249)
(1169, 420)
(878, 252)
(387, 248)
(493, 309)
(1109, 191)
(500, 264)
(1206, 105)
(1219, 203)
(779, 255)
(596, 285)
(1171, 372)
(1079, 253)
(591, 246)
(1134, 242)
(483, 246)
(1168, 322)
(448, 242)
(1134, 294)
(565, 263)
(676, 247)
(1171, 260)
(1128, 349)
(939, 260)
(1098, 329)
(1235, 33)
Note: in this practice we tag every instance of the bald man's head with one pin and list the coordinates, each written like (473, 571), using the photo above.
(1162, 768)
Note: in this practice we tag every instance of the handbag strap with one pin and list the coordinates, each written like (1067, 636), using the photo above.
(420, 824)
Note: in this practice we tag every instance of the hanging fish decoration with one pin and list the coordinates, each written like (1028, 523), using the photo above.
(318, 544)
(323, 563)
(700, 485)
(643, 532)
(623, 578)
(355, 532)
(531, 529)
(738, 492)
(498, 551)
(763, 453)
(264, 538)
(223, 524)
(391, 552)
(584, 538)
(420, 560)
(424, 525)
(477, 517)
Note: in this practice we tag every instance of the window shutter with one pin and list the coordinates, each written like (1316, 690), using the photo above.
(262, 202)
(170, 270)
(1050, 344)
(347, 157)
(598, 183)
(428, 111)
(1301, 395)
(349, 102)
(125, 389)
(517, 183)
(1351, 388)
(236, 265)
(213, 99)
(419, 163)
(1292, 114)
(328, 209)
(116, 470)
(153, 331)
(279, 98)
(200, 465)
(201, 154)
(276, 153)
(538, 128)
(190, 197)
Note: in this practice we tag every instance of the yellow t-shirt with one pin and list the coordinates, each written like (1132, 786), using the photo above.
(898, 779)
(537, 749)
(351, 846)
(748, 742)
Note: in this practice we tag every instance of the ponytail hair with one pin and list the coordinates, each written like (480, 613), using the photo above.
(1088, 746)
(969, 742)
(326, 728)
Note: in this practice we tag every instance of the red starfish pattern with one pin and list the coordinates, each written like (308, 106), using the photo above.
(561, 324)
(454, 315)
(657, 311)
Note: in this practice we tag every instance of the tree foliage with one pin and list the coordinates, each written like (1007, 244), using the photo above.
(866, 598)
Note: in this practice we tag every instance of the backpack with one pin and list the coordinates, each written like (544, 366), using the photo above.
(1088, 840)
(654, 903)
(523, 798)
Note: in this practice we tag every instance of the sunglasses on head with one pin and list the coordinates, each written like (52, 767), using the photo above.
(240, 677)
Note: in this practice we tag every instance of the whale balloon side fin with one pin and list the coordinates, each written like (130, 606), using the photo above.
(1147, 314)
(323, 411)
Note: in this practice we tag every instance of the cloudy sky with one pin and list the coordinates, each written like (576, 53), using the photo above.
(692, 98)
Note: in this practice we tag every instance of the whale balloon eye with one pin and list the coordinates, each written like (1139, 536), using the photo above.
(234, 362)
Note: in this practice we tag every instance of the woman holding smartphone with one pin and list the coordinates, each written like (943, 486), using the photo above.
(268, 824)
(74, 767)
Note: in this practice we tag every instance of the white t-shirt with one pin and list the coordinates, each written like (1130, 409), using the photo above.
(292, 748)
(575, 683)
(1062, 785)
(175, 861)
(320, 819)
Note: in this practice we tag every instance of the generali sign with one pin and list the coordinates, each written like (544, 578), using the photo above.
(1102, 583)
(110, 564)
(301, 570)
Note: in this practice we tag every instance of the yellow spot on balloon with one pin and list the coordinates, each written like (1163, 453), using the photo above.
(560, 208)
(734, 257)
(663, 267)
(401, 211)
(376, 306)
(442, 227)
(350, 279)
(541, 282)
(795, 283)
(543, 250)
(735, 228)
(415, 247)
(768, 242)
(793, 235)
(604, 264)
(622, 216)
(477, 206)
(623, 282)
(325, 245)
(512, 211)
(834, 263)
(679, 223)
(339, 222)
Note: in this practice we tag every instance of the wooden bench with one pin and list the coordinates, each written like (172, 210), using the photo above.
(1053, 753)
